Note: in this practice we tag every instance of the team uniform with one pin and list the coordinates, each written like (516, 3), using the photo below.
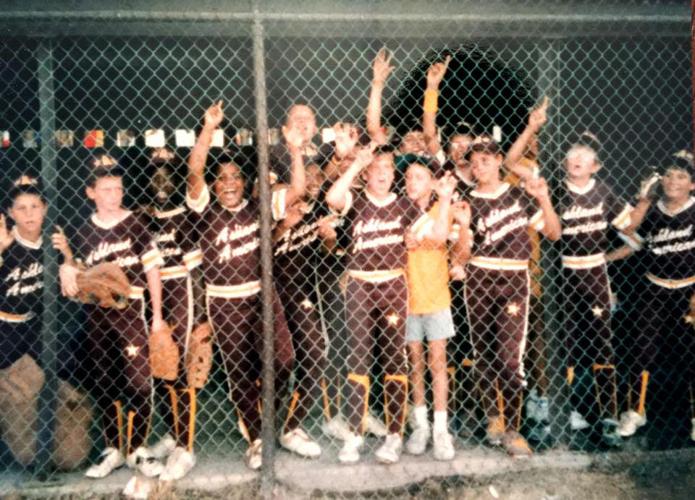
(377, 296)
(664, 340)
(117, 351)
(174, 234)
(497, 293)
(586, 213)
(230, 243)
(295, 263)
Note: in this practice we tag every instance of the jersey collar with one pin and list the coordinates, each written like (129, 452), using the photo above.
(491, 196)
(108, 225)
(34, 245)
(581, 190)
(238, 208)
(662, 206)
(169, 213)
(381, 203)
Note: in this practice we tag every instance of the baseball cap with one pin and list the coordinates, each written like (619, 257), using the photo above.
(483, 144)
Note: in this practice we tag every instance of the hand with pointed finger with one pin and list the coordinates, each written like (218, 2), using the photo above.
(214, 115)
(381, 66)
(436, 73)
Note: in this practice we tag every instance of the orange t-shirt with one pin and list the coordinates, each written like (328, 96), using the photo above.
(428, 274)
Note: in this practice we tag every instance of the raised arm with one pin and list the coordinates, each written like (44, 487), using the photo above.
(445, 188)
(336, 195)
(295, 140)
(381, 69)
(195, 181)
(462, 248)
(538, 188)
(537, 118)
(435, 74)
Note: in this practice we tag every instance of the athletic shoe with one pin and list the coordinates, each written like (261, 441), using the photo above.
(495, 429)
(577, 421)
(164, 447)
(692, 429)
(109, 460)
(516, 445)
(299, 442)
(542, 409)
(350, 452)
(375, 427)
(336, 428)
(253, 456)
(609, 433)
(417, 442)
(143, 462)
(532, 406)
(630, 421)
(390, 451)
(179, 463)
(138, 487)
(443, 446)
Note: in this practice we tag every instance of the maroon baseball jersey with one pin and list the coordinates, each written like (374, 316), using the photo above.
(499, 226)
(174, 232)
(126, 242)
(21, 279)
(585, 213)
(670, 243)
(230, 243)
(377, 229)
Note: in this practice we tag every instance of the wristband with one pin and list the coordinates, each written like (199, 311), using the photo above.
(430, 104)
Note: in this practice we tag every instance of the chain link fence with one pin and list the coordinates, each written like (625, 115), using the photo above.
(534, 301)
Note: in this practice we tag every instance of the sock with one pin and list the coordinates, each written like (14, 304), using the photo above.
(420, 416)
(440, 421)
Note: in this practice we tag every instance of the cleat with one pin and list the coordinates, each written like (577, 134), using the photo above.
(417, 442)
(630, 421)
(578, 422)
(532, 406)
(375, 427)
(390, 451)
(516, 446)
(137, 487)
(609, 433)
(495, 429)
(179, 463)
(297, 441)
(144, 462)
(336, 428)
(164, 447)
(542, 409)
(443, 446)
(253, 455)
(350, 452)
(109, 460)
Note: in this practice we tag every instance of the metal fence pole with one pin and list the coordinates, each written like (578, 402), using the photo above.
(50, 326)
(268, 373)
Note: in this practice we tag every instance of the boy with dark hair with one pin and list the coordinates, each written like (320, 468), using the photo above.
(118, 354)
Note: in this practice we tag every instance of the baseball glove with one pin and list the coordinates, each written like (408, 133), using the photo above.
(164, 354)
(105, 285)
(199, 356)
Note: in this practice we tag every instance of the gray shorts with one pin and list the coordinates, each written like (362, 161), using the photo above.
(435, 326)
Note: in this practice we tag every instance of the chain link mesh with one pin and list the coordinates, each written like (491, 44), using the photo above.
(110, 133)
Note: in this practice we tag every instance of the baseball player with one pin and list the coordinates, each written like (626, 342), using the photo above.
(21, 307)
(172, 225)
(376, 295)
(117, 353)
(663, 340)
(497, 285)
(229, 240)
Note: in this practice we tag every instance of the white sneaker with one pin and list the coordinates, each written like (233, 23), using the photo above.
(337, 428)
(350, 452)
(390, 451)
(375, 426)
(443, 446)
(179, 463)
(109, 460)
(542, 409)
(417, 442)
(164, 447)
(630, 421)
(692, 429)
(299, 442)
(144, 462)
(138, 487)
(577, 421)
(532, 405)
(254, 456)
